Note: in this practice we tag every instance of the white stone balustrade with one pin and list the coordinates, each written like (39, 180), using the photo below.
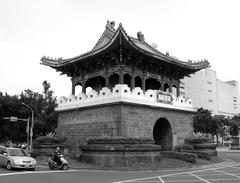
(105, 92)
(122, 93)
(81, 96)
(138, 92)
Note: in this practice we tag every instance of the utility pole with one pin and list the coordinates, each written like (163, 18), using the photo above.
(32, 124)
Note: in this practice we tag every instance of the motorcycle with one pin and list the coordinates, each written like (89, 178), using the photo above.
(61, 164)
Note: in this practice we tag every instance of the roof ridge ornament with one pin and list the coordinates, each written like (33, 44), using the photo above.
(140, 36)
(110, 25)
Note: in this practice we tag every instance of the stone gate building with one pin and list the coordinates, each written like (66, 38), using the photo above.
(135, 92)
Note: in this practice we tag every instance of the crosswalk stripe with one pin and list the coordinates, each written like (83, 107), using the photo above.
(198, 177)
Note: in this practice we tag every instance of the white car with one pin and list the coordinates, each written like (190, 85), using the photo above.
(16, 158)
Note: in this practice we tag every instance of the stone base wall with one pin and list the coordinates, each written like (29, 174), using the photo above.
(138, 121)
(120, 119)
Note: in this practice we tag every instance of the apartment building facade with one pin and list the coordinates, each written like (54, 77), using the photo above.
(207, 91)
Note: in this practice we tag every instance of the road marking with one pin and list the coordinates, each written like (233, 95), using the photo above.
(36, 172)
(161, 180)
(201, 170)
(198, 177)
(227, 173)
(191, 181)
(181, 173)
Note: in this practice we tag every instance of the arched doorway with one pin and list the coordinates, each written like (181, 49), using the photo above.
(174, 90)
(138, 81)
(113, 80)
(152, 84)
(166, 87)
(127, 79)
(162, 134)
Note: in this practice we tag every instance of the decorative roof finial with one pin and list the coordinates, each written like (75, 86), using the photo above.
(140, 36)
(110, 25)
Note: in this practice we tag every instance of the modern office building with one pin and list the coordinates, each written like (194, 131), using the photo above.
(205, 90)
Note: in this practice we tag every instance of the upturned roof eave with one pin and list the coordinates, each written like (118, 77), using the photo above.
(56, 63)
(158, 55)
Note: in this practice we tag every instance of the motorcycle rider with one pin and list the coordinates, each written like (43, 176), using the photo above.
(57, 161)
(56, 155)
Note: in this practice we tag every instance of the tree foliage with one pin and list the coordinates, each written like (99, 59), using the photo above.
(205, 123)
(45, 119)
(235, 125)
(202, 121)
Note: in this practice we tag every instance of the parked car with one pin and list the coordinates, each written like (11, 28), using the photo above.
(16, 158)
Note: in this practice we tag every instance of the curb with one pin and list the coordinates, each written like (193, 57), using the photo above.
(149, 170)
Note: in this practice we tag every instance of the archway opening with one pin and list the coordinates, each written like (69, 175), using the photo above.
(96, 83)
(127, 79)
(174, 90)
(78, 88)
(138, 81)
(166, 87)
(162, 134)
(152, 84)
(113, 80)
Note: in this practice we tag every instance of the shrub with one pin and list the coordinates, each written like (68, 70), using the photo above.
(49, 139)
(198, 139)
(120, 140)
(207, 155)
(185, 156)
(183, 147)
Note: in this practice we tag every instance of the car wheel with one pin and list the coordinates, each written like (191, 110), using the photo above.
(65, 167)
(9, 165)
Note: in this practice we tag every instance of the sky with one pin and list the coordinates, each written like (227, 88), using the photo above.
(187, 29)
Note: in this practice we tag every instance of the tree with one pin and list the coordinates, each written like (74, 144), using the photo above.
(202, 121)
(45, 119)
(205, 123)
(219, 126)
(234, 125)
(48, 113)
(10, 106)
(43, 106)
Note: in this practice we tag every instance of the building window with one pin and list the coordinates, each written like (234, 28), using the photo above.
(182, 93)
(234, 99)
(210, 100)
(209, 90)
(209, 82)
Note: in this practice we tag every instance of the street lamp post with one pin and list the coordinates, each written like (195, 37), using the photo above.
(32, 124)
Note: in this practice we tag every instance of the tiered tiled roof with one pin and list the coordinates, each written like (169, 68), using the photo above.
(111, 36)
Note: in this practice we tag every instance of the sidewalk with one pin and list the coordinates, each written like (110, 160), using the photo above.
(167, 164)
(75, 164)
(72, 162)
(227, 149)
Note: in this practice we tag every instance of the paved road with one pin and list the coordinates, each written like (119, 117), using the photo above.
(226, 172)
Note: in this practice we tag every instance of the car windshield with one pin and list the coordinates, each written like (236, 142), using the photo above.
(16, 152)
